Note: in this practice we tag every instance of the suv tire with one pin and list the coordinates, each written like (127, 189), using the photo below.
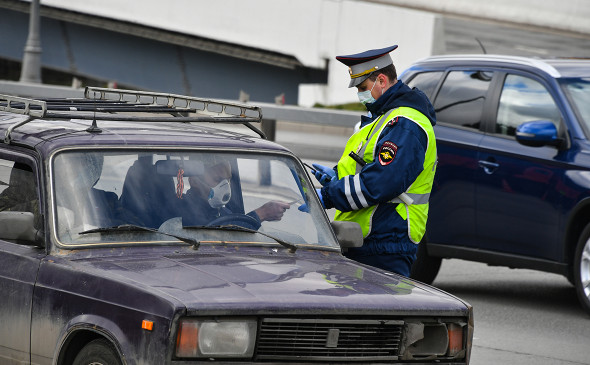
(581, 274)
(426, 267)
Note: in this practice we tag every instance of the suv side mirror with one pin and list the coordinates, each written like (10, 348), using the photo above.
(349, 234)
(538, 133)
(18, 226)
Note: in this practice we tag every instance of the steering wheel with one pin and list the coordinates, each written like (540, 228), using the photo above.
(237, 219)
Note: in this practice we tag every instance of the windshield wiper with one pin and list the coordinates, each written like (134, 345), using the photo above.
(232, 227)
(134, 228)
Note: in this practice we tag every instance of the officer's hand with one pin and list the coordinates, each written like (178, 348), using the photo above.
(323, 174)
(319, 191)
(303, 208)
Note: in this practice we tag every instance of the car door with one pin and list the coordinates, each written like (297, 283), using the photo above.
(516, 196)
(459, 102)
(19, 261)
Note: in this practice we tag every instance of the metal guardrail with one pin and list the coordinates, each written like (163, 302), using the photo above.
(316, 116)
(298, 128)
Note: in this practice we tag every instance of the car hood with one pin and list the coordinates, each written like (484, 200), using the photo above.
(269, 280)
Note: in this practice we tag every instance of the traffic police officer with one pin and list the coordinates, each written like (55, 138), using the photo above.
(384, 177)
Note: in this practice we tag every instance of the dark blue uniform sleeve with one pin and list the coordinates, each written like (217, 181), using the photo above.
(399, 159)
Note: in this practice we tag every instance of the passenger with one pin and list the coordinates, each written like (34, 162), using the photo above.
(209, 194)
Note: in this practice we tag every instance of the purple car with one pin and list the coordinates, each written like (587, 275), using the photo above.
(134, 230)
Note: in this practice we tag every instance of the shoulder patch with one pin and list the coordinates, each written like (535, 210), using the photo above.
(387, 153)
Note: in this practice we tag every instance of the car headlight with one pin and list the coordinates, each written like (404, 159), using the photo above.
(216, 338)
(434, 340)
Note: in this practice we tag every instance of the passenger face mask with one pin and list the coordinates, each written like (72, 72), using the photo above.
(365, 97)
(220, 194)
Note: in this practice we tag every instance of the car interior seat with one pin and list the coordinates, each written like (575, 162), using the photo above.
(148, 196)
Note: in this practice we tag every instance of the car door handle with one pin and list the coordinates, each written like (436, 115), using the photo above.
(488, 166)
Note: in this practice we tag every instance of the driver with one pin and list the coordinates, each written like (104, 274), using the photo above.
(209, 193)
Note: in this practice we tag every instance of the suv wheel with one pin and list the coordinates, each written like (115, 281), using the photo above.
(582, 269)
(425, 268)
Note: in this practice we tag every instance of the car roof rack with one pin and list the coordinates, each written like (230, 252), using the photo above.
(124, 105)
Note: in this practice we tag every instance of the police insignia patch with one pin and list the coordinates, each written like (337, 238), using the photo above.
(387, 153)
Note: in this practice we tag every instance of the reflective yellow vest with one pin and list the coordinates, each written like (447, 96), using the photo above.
(412, 205)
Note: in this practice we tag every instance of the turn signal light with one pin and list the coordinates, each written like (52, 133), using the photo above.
(186, 342)
(455, 339)
(147, 325)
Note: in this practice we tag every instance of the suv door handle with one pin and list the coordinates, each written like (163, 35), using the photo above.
(488, 166)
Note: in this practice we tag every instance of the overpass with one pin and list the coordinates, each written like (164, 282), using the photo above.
(260, 50)
(220, 49)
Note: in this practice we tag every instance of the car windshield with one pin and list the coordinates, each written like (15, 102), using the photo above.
(106, 197)
(578, 92)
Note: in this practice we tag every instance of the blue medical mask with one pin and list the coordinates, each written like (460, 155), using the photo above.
(365, 97)
(220, 194)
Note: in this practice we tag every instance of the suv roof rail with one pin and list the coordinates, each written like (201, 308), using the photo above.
(117, 104)
(529, 61)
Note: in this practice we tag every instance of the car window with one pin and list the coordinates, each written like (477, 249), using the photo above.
(578, 91)
(461, 98)
(18, 189)
(426, 82)
(524, 100)
(172, 191)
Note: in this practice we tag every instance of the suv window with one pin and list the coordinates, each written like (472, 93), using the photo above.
(426, 82)
(461, 98)
(578, 92)
(524, 100)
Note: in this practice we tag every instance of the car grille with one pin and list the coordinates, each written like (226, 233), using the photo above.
(329, 340)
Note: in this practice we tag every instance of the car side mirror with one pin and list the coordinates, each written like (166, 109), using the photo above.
(349, 234)
(19, 226)
(538, 133)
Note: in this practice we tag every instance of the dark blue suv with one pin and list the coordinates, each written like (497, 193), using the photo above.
(513, 179)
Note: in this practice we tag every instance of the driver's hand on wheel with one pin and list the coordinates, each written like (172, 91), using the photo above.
(272, 211)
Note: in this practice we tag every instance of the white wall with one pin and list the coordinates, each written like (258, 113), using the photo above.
(355, 26)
